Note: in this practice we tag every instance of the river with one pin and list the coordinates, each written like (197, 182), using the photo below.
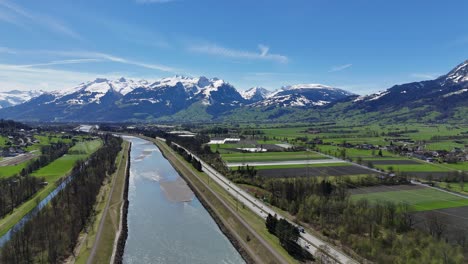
(161, 228)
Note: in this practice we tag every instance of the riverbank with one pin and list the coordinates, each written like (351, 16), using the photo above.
(97, 244)
(249, 239)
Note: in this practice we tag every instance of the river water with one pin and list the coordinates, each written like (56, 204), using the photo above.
(161, 230)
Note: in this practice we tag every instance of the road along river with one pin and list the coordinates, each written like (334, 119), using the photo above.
(166, 222)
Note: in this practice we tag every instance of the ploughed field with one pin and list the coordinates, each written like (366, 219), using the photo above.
(287, 163)
(315, 171)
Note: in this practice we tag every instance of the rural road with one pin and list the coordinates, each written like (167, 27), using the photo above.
(288, 162)
(263, 210)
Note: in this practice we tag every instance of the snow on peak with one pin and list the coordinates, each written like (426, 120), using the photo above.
(306, 86)
(459, 74)
(15, 97)
(255, 92)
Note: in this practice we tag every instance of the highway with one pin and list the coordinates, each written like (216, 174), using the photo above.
(263, 210)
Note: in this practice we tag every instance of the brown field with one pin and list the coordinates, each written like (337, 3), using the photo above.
(315, 171)
(454, 222)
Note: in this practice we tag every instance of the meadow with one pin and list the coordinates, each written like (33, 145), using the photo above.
(420, 199)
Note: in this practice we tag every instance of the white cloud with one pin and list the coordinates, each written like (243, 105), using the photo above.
(424, 76)
(109, 57)
(60, 62)
(86, 57)
(24, 78)
(214, 49)
(15, 14)
(340, 67)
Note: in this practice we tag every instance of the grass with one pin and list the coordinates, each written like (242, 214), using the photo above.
(8, 171)
(52, 173)
(256, 222)
(268, 167)
(63, 165)
(454, 187)
(462, 166)
(354, 153)
(425, 199)
(105, 245)
(423, 167)
(272, 156)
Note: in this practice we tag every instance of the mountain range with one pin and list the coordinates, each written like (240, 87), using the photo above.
(183, 99)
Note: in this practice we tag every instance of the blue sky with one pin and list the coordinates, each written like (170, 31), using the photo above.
(362, 45)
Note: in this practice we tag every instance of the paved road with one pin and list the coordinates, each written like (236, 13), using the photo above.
(287, 162)
(263, 210)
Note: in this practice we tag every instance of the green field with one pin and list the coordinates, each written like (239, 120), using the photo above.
(8, 171)
(52, 174)
(271, 156)
(64, 164)
(419, 199)
(423, 167)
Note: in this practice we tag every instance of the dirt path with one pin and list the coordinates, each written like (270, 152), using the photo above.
(17, 160)
(105, 213)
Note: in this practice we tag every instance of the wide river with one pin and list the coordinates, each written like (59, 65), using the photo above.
(161, 229)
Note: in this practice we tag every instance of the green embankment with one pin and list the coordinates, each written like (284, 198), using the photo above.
(112, 218)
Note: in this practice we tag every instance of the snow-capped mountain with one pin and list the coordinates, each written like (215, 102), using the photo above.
(255, 94)
(15, 97)
(124, 99)
(447, 91)
(458, 75)
(182, 98)
(304, 95)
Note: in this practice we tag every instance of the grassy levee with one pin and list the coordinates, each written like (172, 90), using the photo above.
(245, 229)
(52, 173)
(110, 228)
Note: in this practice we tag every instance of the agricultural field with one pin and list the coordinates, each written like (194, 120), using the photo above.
(428, 205)
(272, 156)
(420, 198)
(320, 171)
(64, 164)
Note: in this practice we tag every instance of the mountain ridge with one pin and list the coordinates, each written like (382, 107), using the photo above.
(215, 99)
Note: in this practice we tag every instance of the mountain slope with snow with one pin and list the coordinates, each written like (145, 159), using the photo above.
(255, 94)
(304, 95)
(15, 97)
(186, 99)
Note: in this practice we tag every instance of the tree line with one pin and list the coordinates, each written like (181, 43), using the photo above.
(187, 156)
(19, 188)
(51, 235)
(288, 235)
(384, 232)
